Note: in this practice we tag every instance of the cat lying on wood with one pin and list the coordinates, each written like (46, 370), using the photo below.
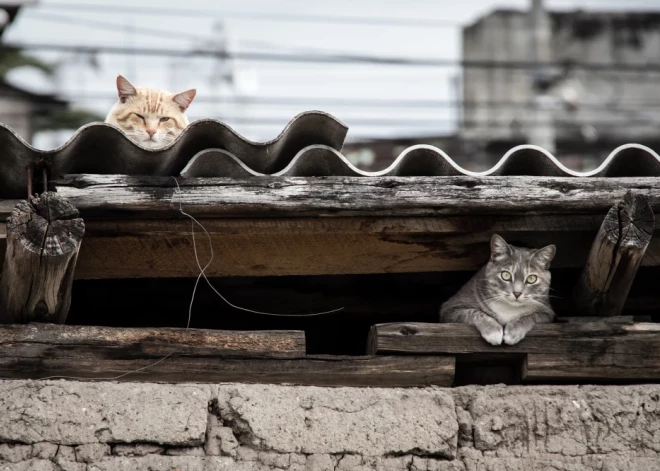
(507, 296)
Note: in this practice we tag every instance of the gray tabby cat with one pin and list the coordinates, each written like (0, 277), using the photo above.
(507, 296)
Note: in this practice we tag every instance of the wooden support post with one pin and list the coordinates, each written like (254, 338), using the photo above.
(615, 256)
(43, 239)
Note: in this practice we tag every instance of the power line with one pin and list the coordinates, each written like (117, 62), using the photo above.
(358, 121)
(169, 34)
(117, 27)
(332, 59)
(285, 17)
(378, 102)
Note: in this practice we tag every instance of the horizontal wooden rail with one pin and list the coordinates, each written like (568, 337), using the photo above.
(127, 196)
(603, 351)
(273, 226)
(37, 351)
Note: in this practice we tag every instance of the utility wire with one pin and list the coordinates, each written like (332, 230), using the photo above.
(285, 17)
(168, 34)
(310, 102)
(419, 22)
(359, 121)
(332, 59)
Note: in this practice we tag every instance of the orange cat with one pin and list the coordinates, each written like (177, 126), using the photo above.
(149, 116)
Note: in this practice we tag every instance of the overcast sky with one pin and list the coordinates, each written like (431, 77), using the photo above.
(198, 27)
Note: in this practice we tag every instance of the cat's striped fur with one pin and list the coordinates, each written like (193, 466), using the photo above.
(499, 300)
(149, 116)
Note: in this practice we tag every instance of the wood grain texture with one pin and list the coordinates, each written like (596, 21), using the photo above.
(39, 340)
(615, 257)
(317, 246)
(335, 225)
(113, 196)
(43, 240)
(381, 371)
(37, 351)
(595, 351)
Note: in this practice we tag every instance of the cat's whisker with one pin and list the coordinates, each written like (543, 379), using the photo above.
(543, 296)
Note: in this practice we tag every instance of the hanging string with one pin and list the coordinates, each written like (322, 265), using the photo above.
(202, 273)
(203, 270)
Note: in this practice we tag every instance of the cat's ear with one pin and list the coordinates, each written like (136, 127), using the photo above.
(544, 256)
(184, 99)
(498, 248)
(125, 89)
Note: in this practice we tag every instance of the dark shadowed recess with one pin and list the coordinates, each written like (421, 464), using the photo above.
(367, 300)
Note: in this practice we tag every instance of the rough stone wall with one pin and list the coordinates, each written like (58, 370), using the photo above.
(75, 426)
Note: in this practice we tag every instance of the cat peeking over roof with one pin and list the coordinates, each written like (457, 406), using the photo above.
(150, 116)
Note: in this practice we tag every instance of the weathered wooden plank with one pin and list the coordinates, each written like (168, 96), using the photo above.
(121, 196)
(380, 371)
(39, 351)
(44, 236)
(125, 249)
(261, 247)
(615, 257)
(577, 351)
(68, 341)
(294, 249)
(566, 216)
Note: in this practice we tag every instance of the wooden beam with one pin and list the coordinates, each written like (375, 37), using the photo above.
(615, 257)
(138, 224)
(37, 351)
(112, 196)
(46, 340)
(595, 351)
(285, 246)
(43, 239)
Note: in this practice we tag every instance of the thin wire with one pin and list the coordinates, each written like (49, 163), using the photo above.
(180, 12)
(151, 365)
(192, 300)
(154, 32)
(370, 102)
(175, 35)
(352, 59)
(275, 16)
(203, 270)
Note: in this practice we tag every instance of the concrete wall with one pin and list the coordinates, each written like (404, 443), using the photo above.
(615, 39)
(160, 427)
(16, 113)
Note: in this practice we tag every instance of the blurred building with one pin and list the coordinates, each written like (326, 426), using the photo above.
(26, 112)
(22, 110)
(582, 109)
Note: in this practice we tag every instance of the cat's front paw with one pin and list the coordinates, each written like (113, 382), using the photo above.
(493, 335)
(513, 334)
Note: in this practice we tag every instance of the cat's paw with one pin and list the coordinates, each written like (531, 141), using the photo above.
(513, 334)
(493, 335)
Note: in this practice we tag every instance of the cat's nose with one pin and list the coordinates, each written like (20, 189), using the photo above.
(151, 132)
(517, 294)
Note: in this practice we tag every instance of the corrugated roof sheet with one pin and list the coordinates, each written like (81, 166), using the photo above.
(309, 145)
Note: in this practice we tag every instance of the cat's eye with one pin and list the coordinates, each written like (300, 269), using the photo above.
(164, 120)
(506, 276)
(531, 279)
(140, 116)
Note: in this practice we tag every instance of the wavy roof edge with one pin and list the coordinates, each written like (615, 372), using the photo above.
(192, 125)
(425, 160)
(101, 148)
(309, 145)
